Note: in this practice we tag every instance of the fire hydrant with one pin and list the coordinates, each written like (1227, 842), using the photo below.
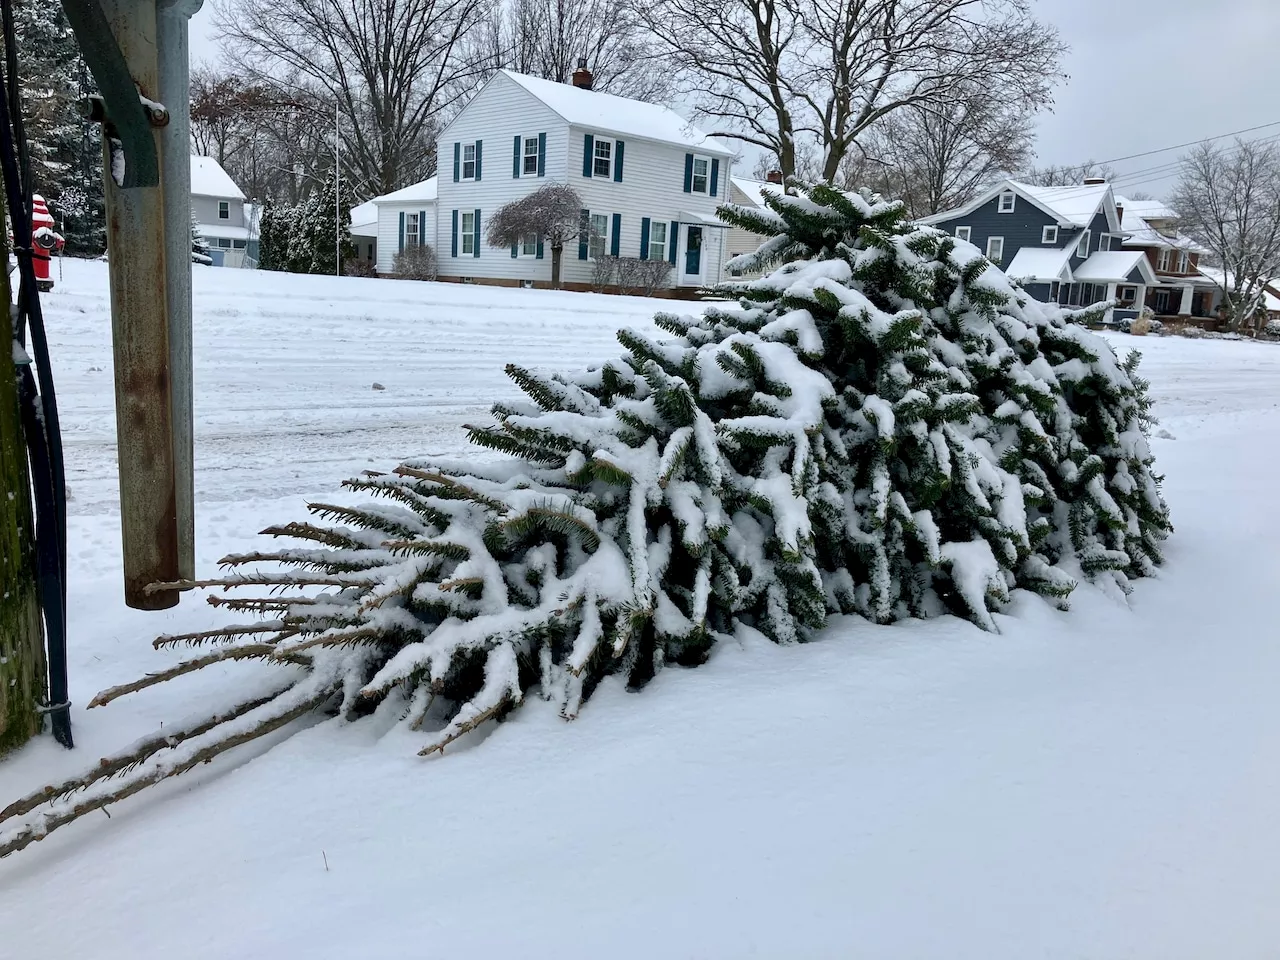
(44, 242)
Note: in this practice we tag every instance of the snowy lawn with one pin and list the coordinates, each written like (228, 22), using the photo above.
(1092, 784)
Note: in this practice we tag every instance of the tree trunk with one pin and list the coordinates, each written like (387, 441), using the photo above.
(22, 671)
(556, 254)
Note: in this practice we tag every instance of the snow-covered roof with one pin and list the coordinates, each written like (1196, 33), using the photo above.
(1115, 266)
(1135, 222)
(216, 231)
(1072, 206)
(208, 179)
(754, 190)
(624, 117)
(1041, 264)
(364, 219)
(1146, 209)
(425, 191)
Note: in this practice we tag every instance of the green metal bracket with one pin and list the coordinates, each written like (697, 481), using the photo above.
(125, 112)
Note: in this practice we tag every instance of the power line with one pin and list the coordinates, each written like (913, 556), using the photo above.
(1190, 143)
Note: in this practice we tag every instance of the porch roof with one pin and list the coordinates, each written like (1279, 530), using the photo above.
(1041, 265)
(1116, 266)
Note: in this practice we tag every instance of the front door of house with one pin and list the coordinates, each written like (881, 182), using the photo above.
(693, 253)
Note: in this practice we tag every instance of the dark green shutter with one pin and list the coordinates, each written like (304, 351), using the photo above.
(584, 226)
(671, 241)
(515, 250)
(457, 162)
(422, 229)
(542, 156)
(715, 176)
(617, 160)
(454, 233)
(479, 146)
(475, 243)
(615, 242)
(588, 151)
(644, 239)
(516, 159)
(688, 173)
(539, 247)
(402, 231)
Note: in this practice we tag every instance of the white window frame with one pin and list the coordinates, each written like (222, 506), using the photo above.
(224, 209)
(1128, 294)
(598, 236)
(1104, 241)
(964, 233)
(1049, 234)
(462, 173)
(1184, 262)
(1162, 262)
(596, 158)
(412, 229)
(655, 224)
(706, 176)
(997, 260)
(527, 248)
(1013, 202)
(526, 156)
(1082, 245)
(467, 240)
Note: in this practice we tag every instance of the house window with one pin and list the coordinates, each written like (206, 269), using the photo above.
(599, 241)
(239, 244)
(1104, 241)
(411, 230)
(995, 249)
(1162, 301)
(1184, 261)
(964, 233)
(530, 160)
(1162, 264)
(223, 243)
(224, 210)
(1128, 295)
(1049, 234)
(529, 245)
(701, 175)
(1007, 202)
(1082, 248)
(468, 231)
(602, 159)
(658, 240)
(468, 161)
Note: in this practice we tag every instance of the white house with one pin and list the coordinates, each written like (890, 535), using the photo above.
(748, 193)
(364, 231)
(649, 181)
(221, 214)
(405, 218)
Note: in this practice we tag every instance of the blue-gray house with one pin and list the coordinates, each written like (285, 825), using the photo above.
(1062, 243)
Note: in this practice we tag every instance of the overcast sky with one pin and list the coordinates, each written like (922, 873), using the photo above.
(1145, 74)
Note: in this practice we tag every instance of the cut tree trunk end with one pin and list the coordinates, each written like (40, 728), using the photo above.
(22, 667)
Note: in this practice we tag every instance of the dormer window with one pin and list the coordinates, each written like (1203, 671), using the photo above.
(1184, 262)
(1049, 234)
(1162, 262)
(1007, 201)
(1082, 248)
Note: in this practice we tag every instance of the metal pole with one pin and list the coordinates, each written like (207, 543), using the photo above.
(337, 192)
(140, 340)
(172, 18)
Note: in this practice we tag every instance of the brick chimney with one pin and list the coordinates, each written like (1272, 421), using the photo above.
(582, 78)
(774, 176)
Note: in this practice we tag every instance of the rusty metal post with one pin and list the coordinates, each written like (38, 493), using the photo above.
(172, 18)
(140, 337)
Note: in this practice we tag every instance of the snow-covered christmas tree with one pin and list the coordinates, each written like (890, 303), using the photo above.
(323, 224)
(882, 425)
(199, 245)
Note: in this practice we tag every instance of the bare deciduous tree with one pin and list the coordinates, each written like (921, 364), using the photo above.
(393, 67)
(548, 38)
(552, 212)
(780, 73)
(1067, 174)
(1228, 198)
(938, 157)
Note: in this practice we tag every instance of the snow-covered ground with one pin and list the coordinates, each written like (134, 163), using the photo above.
(1097, 784)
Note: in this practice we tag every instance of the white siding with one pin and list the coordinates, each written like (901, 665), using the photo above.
(495, 116)
(389, 230)
(652, 186)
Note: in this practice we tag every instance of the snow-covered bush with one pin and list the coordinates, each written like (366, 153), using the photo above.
(881, 425)
(1272, 329)
(415, 262)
